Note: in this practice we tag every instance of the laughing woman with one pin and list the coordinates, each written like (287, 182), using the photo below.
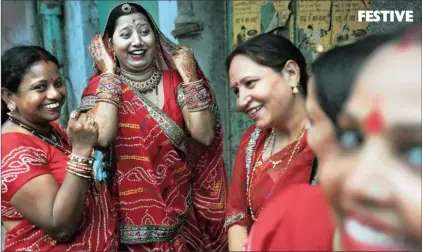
(49, 200)
(158, 112)
(268, 75)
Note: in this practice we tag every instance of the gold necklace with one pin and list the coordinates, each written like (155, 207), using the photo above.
(147, 85)
(249, 197)
(55, 141)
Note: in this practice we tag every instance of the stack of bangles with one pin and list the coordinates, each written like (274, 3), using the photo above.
(110, 89)
(196, 96)
(80, 166)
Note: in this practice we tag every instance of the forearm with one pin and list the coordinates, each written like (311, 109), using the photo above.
(201, 125)
(68, 207)
(106, 109)
(237, 236)
(107, 116)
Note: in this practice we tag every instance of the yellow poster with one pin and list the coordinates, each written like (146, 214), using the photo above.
(313, 27)
(345, 27)
(246, 20)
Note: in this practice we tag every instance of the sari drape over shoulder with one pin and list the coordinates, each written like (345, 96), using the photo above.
(253, 185)
(297, 219)
(25, 157)
(172, 190)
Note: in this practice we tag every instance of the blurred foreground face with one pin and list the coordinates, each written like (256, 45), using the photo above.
(321, 132)
(375, 183)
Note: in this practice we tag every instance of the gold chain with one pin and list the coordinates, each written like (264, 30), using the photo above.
(298, 139)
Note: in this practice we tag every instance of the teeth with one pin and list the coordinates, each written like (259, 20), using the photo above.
(255, 110)
(366, 234)
(51, 106)
(138, 52)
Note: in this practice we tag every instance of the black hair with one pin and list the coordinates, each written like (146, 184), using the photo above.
(15, 63)
(310, 27)
(117, 12)
(335, 72)
(243, 27)
(272, 51)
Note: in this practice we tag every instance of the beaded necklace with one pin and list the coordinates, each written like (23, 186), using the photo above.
(274, 163)
(56, 140)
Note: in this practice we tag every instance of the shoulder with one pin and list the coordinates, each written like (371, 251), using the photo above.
(19, 145)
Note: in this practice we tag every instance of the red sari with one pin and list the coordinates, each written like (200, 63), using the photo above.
(25, 157)
(297, 219)
(267, 179)
(172, 190)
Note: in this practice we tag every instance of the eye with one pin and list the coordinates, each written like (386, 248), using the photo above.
(40, 88)
(349, 139)
(413, 155)
(250, 83)
(59, 83)
(144, 32)
(125, 35)
(236, 91)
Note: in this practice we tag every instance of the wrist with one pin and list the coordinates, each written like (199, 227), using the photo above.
(82, 151)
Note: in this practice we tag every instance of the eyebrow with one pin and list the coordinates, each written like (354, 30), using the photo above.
(402, 128)
(44, 81)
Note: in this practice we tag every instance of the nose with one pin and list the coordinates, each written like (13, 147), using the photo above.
(54, 94)
(137, 40)
(243, 99)
(366, 181)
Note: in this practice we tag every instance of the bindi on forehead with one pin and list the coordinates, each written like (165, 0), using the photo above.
(374, 121)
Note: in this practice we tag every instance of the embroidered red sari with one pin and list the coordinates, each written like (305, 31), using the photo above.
(171, 189)
(297, 219)
(25, 157)
(267, 179)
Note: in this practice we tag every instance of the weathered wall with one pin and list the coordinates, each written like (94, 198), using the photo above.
(18, 24)
(400, 5)
(210, 49)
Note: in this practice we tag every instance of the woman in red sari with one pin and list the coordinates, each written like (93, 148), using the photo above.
(155, 107)
(363, 219)
(49, 199)
(268, 75)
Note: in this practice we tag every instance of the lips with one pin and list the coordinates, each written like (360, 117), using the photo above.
(137, 52)
(51, 105)
(252, 113)
(358, 236)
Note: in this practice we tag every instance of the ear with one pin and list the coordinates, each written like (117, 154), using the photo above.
(6, 95)
(292, 72)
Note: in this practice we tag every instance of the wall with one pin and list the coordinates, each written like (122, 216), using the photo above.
(210, 50)
(18, 24)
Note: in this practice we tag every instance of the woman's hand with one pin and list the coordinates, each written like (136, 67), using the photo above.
(185, 64)
(103, 62)
(83, 133)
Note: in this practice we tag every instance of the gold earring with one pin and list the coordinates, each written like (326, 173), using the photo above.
(295, 89)
(11, 106)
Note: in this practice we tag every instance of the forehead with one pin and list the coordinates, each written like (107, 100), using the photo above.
(243, 66)
(41, 69)
(125, 20)
(392, 80)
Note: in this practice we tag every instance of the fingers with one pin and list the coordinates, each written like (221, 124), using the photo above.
(74, 115)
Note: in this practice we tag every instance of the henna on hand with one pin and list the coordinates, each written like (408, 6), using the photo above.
(100, 56)
(185, 64)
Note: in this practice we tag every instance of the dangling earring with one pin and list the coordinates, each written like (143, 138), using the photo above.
(114, 56)
(112, 50)
(11, 106)
(295, 88)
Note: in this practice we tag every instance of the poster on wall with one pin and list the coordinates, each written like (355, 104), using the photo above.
(345, 27)
(313, 27)
(246, 20)
(274, 14)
